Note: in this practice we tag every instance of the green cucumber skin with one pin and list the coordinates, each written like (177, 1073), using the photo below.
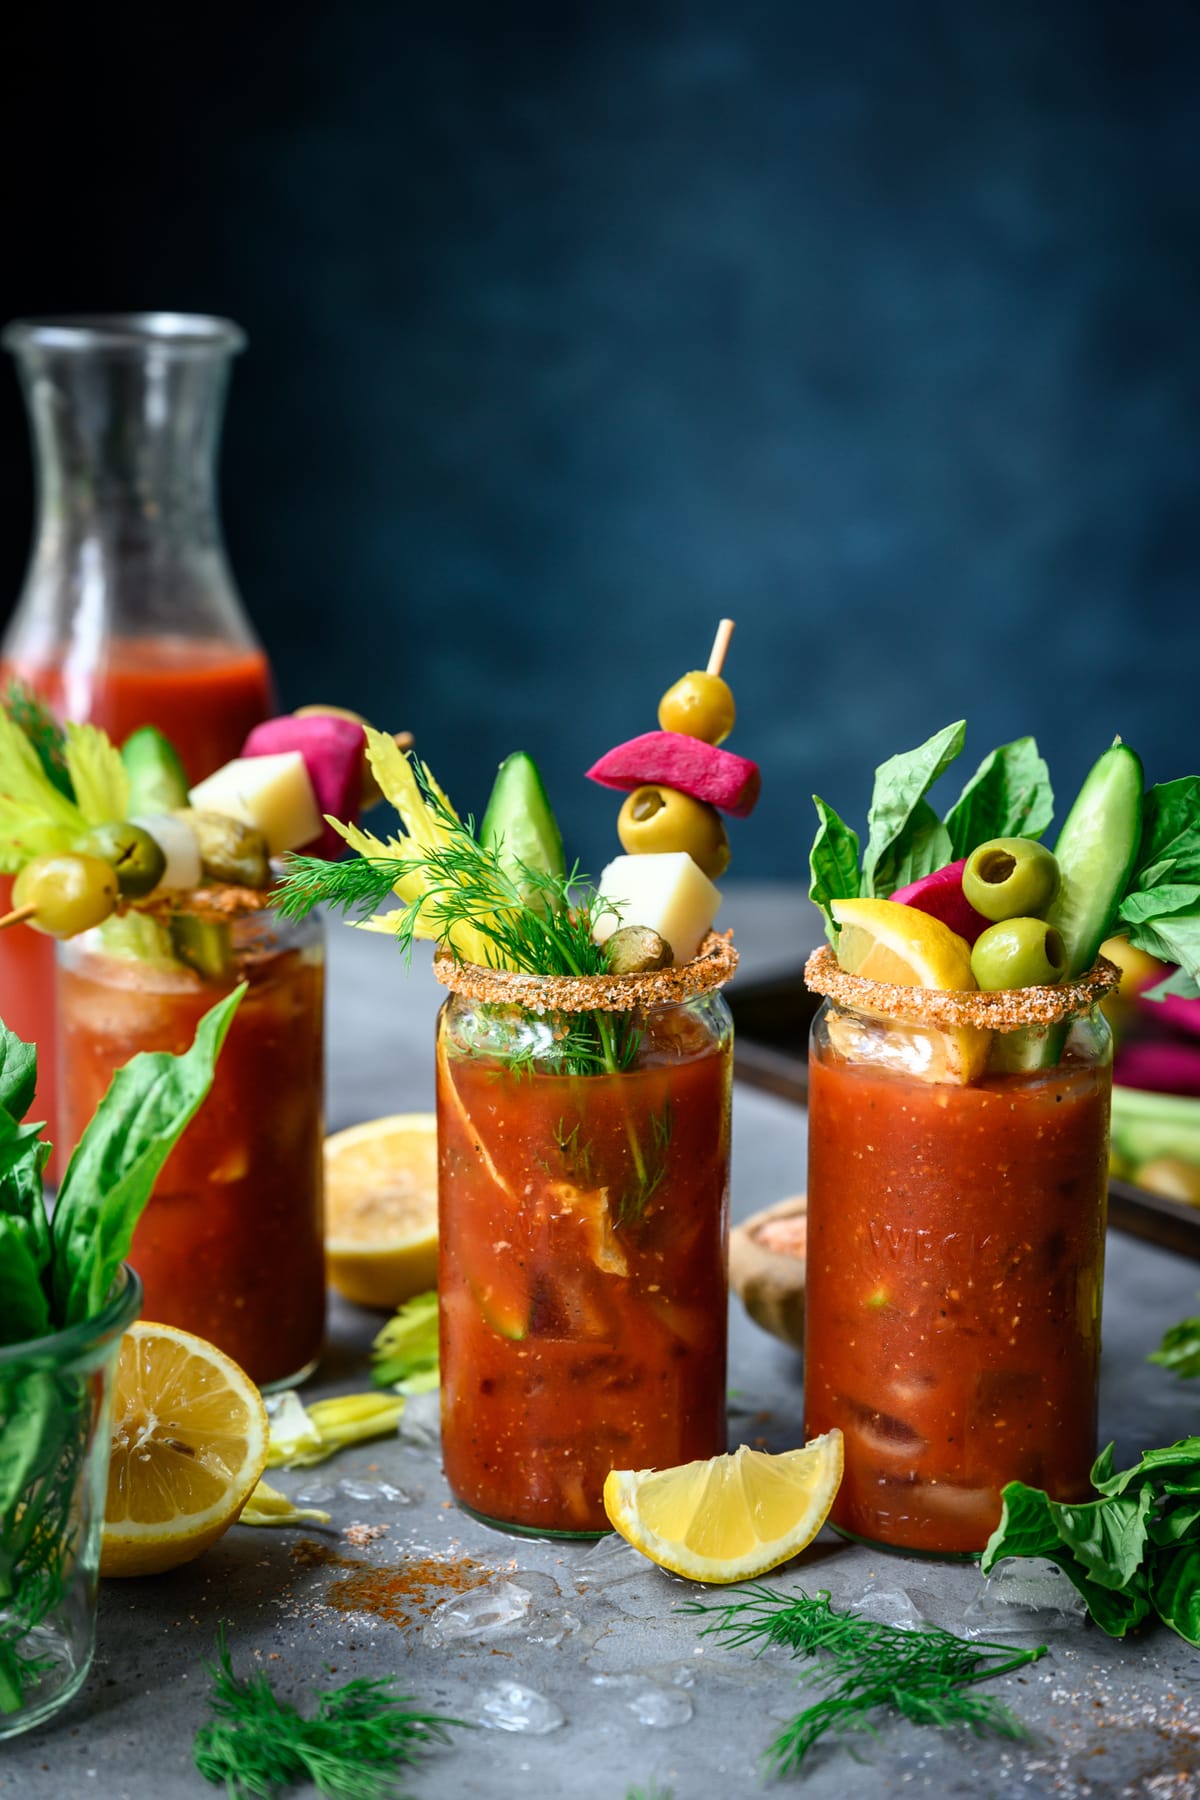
(157, 782)
(520, 819)
(1147, 1125)
(1096, 850)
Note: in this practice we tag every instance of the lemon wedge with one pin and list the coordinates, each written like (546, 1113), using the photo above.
(882, 940)
(381, 1209)
(189, 1442)
(731, 1518)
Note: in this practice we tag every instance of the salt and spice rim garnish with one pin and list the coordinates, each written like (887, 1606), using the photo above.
(1007, 1009)
(712, 966)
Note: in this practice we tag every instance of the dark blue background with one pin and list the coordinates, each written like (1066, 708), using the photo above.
(875, 326)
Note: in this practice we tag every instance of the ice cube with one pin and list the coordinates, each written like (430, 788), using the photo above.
(508, 1706)
(483, 1612)
(1024, 1596)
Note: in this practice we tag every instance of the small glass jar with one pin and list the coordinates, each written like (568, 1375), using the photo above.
(957, 1201)
(55, 1405)
(583, 1135)
(231, 1245)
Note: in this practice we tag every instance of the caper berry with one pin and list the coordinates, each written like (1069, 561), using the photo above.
(658, 820)
(636, 950)
(136, 858)
(1018, 953)
(68, 893)
(700, 705)
(1010, 878)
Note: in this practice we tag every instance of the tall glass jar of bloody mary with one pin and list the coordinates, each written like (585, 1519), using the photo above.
(957, 1201)
(231, 1245)
(583, 1221)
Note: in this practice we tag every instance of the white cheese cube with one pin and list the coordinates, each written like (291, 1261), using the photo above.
(178, 843)
(272, 793)
(666, 892)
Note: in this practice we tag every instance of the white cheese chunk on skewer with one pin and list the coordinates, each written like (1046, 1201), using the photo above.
(272, 793)
(666, 892)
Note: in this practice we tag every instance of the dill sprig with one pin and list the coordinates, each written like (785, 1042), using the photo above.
(350, 1749)
(925, 1675)
(43, 732)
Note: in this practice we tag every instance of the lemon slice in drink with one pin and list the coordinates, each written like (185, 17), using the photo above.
(884, 941)
(381, 1209)
(189, 1442)
(730, 1518)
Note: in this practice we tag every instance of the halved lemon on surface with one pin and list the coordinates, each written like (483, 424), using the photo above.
(881, 940)
(189, 1442)
(730, 1518)
(381, 1209)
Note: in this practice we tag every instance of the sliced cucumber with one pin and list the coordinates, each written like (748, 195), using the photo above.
(157, 783)
(1096, 851)
(519, 821)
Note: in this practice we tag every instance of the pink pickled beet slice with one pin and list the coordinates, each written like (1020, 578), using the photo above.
(1159, 1068)
(1172, 1011)
(671, 759)
(333, 755)
(941, 895)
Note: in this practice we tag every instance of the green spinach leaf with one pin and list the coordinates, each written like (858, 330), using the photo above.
(116, 1163)
(18, 1074)
(1009, 795)
(906, 839)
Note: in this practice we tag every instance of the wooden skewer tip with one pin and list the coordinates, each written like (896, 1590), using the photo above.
(720, 647)
(17, 917)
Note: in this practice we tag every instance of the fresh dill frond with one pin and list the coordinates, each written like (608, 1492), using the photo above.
(350, 1748)
(361, 884)
(653, 1792)
(926, 1676)
(43, 732)
(651, 1170)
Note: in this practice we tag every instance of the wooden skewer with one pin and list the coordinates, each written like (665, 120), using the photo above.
(404, 739)
(720, 647)
(17, 917)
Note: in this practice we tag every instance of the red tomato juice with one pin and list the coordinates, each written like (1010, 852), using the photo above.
(202, 694)
(955, 1268)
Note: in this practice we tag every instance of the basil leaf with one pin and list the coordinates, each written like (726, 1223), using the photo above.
(1146, 905)
(1175, 1590)
(1026, 1527)
(18, 1073)
(1180, 1349)
(833, 863)
(1115, 1610)
(1183, 1455)
(1107, 1537)
(1009, 795)
(1173, 937)
(1178, 982)
(1176, 1523)
(24, 1312)
(116, 1163)
(1170, 834)
(905, 838)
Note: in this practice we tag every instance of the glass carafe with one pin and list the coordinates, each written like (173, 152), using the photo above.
(129, 614)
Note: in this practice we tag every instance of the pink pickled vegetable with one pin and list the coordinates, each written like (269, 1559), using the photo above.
(671, 759)
(941, 895)
(1161, 1068)
(1174, 1012)
(332, 749)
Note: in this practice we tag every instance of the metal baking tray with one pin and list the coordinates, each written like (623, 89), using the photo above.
(772, 1020)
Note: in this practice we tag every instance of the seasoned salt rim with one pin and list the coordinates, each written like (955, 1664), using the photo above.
(710, 968)
(1005, 1010)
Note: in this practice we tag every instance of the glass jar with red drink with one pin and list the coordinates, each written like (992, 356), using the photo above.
(129, 614)
(583, 1223)
(955, 1257)
(231, 1245)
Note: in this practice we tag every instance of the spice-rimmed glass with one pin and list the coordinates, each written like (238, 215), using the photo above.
(55, 1408)
(583, 1227)
(231, 1245)
(955, 1256)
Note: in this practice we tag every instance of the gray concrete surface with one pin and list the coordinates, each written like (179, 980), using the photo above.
(604, 1640)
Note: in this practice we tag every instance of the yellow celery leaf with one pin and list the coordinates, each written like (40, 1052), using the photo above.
(97, 774)
(267, 1506)
(464, 938)
(34, 816)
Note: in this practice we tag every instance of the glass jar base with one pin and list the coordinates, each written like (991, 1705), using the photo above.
(942, 1556)
(61, 1680)
(290, 1381)
(533, 1531)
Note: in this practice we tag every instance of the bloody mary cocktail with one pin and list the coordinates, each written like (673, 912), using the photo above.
(583, 1224)
(231, 1245)
(955, 1267)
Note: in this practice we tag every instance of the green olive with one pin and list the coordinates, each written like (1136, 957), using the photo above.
(68, 893)
(136, 858)
(1171, 1177)
(1010, 878)
(700, 705)
(636, 950)
(1018, 953)
(657, 820)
